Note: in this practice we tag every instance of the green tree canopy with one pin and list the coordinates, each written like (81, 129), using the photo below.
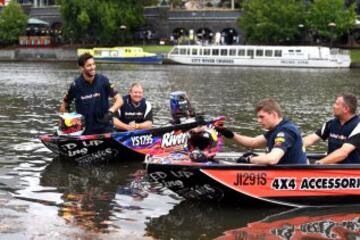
(287, 21)
(13, 22)
(100, 21)
(330, 19)
(272, 22)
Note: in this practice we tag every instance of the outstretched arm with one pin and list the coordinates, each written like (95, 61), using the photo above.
(311, 139)
(338, 155)
(250, 142)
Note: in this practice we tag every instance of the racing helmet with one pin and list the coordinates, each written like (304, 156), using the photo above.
(71, 124)
(202, 145)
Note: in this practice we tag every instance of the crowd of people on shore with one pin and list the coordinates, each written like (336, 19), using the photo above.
(282, 140)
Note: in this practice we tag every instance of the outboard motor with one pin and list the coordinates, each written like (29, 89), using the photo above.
(180, 106)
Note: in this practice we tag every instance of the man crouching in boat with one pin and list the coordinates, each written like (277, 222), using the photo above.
(136, 112)
(91, 93)
(342, 133)
(283, 140)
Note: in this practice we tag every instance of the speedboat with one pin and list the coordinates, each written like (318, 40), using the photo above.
(222, 178)
(130, 145)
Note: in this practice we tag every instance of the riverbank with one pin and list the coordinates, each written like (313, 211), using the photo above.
(68, 53)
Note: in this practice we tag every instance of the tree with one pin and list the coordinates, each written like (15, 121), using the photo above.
(272, 22)
(330, 19)
(99, 21)
(13, 22)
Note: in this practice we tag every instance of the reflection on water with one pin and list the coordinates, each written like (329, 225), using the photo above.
(88, 193)
(198, 220)
(115, 201)
(305, 223)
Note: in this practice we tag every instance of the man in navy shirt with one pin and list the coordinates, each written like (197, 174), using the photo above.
(136, 112)
(342, 132)
(91, 93)
(283, 140)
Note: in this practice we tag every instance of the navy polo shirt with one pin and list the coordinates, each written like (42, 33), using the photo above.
(92, 101)
(286, 136)
(338, 134)
(138, 114)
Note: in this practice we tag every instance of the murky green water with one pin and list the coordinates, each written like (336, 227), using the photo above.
(42, 197)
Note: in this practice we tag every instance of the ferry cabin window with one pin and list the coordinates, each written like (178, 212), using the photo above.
(188, 51)
(232, 52)
(223, 52)
(250, 52)
(182, 51)
(194, 51)
(268, 53)
(259, 52)
(97, 52)
(175, 51)
(114, 53)
(278, 53)
(206, 52)
(241, 52)
(215, 52)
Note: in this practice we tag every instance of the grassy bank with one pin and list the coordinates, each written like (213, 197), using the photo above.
(355, 56)
(157, 48)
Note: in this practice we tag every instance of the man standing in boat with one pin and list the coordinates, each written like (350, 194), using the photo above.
(136, 112)
(342, 132)
(91, 93)
(283, 141)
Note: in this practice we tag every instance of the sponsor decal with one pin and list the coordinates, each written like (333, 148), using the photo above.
(316, 183)
(172, 139)
(338, 136)
(90, 96)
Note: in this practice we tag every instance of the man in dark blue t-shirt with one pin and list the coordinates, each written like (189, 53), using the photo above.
(342, 132)
(91, 93)
(283, 141)
(136, 112)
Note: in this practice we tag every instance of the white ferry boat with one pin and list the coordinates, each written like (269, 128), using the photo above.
(264, 56)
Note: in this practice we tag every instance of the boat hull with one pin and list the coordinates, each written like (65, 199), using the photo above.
(290, 185)
(131, 145)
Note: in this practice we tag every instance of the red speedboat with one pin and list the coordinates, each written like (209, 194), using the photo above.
(223, 179)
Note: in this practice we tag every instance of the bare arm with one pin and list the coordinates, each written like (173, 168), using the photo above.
(122, 126)
(143, 125)
(118, 102)
(338, 155)
(63, 107)
(311, 139)
(271, 158)
(250, 142)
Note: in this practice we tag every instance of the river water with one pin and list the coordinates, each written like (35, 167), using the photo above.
(42, 197)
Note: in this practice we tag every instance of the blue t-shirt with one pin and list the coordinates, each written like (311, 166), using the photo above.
(138, 114)
(92, 101)
(338, 134)
(287, 137)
